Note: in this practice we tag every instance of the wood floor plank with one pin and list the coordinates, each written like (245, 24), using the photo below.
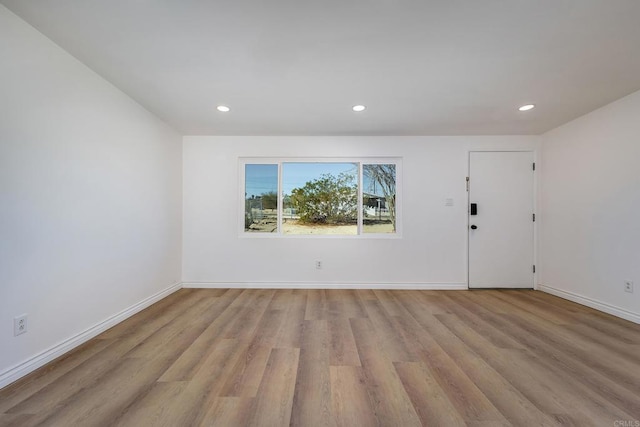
(622, 375)
(535, 307)
(312, 398)
(245, 377)
(388, 396)
(317, 305)
(66, 385)
(596, 357)
(341, 357)
(248, 319)
(16, 420)
(43, 377)
(336, 304)
(626, 333)
(457, 303)
(429, 400)
(580, 310)
(390, 338)
(186, 327)
(192, 358)
(290, 334)
(342, 345)
(350, 402)
(511, 403)
(470, 402)
(620, 329)
(149, 318)
(281, 300)
(433, 302)
(152, 409)
(106, 398)
(550, 391)
(228, 412)
(273, 403)
(598, 338)
(556, 360)
(347, 302)
(389, 301)
(200, 393)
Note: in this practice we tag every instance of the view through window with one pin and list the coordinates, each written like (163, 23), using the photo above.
(320, 198)
(379, 198)
(261, 198)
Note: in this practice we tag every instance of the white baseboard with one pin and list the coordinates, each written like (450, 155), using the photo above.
(589, 302)
(16, 372)
(326, 285)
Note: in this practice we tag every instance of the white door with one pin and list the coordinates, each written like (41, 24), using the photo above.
(501, 231)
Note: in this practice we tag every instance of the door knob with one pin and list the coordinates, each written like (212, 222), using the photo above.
(473, 227)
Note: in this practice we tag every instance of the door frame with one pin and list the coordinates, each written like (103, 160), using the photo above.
(535, 208)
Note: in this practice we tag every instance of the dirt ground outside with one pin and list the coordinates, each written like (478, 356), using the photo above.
(295, 227)
(292, 227)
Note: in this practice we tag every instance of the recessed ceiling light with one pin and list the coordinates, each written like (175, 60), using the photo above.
(223, 108)
(527, 107)
(359, 108)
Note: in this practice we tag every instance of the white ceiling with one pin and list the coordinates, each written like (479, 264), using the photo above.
(296, 67)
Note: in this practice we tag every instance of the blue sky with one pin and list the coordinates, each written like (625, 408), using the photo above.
(295, 175)
(260, 178)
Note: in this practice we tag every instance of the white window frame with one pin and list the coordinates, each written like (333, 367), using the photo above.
(243, 161)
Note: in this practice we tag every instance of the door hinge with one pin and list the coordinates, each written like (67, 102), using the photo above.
(534, 268)
(534, 166)
(534, 217)
(467, 183)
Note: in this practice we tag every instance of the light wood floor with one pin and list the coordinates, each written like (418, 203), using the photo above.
(343, 358)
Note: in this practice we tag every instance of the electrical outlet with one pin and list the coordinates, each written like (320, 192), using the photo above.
(19, 325)
(318, 265)
(628, 286)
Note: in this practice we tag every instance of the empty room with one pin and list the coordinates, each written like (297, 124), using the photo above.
(357, 213)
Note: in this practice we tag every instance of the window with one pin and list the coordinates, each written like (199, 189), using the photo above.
(379, 198)
(261, 198)
(341, 197)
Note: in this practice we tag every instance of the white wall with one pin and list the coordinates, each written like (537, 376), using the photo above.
(590, 208)
(90, 198)
(431, 252)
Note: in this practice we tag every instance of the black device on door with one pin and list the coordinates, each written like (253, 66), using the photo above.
(473, 209)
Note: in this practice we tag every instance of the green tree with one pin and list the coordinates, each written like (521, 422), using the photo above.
(270, 200)
(327, 199)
